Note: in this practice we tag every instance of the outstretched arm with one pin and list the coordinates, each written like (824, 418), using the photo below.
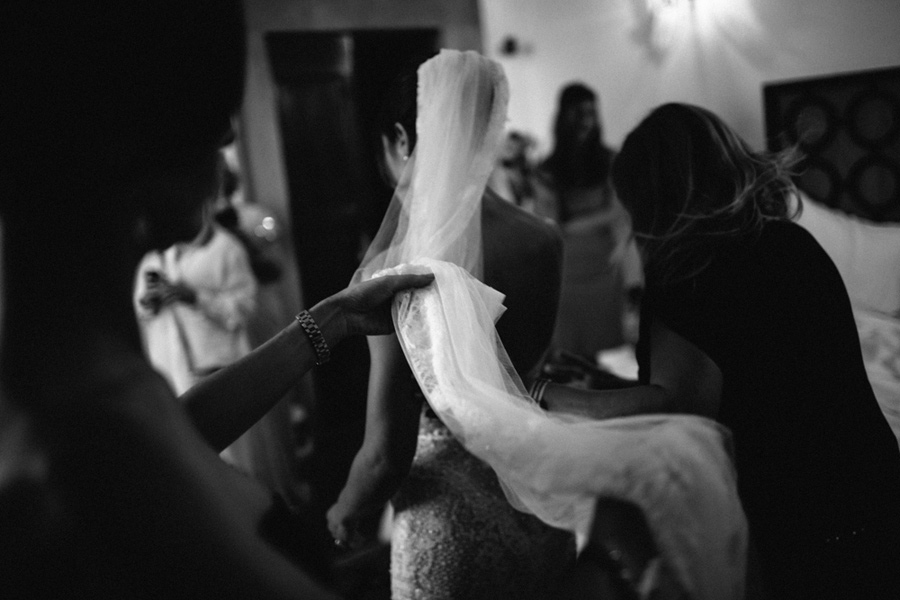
(682, 379)
(224, 405)
(383, 461)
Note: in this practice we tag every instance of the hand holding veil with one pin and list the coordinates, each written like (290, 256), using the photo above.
(675, 468)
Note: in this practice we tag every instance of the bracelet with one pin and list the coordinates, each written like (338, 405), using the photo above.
(315, 337)
(537, 392)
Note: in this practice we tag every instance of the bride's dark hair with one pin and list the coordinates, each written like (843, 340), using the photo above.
(399, 104)
(693, 185)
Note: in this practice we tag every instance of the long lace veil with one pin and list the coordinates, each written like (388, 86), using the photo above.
(675, 468)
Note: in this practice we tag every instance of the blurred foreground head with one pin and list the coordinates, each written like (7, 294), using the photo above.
(101, 97)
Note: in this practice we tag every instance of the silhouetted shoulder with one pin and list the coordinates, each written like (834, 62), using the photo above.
(510, 229)
(787, 248)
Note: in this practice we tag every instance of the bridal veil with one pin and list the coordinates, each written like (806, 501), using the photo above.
(675, 468)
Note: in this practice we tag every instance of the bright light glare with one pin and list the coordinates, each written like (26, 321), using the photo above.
(732, 18)
(677, 21)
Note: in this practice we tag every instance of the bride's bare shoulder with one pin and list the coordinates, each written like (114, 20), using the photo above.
(519, 230)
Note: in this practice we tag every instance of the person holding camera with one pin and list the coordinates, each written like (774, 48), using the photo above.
(193, 301)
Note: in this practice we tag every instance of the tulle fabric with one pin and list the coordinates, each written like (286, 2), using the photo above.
(675, 468)
(461, 115)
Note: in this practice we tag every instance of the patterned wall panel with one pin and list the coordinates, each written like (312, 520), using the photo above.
(848, 128)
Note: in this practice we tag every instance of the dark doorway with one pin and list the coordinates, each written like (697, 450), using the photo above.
(330, 85)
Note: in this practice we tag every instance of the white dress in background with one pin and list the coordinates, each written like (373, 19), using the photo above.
(185, 342)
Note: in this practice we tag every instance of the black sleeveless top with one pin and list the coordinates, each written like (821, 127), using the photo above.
(815, 456)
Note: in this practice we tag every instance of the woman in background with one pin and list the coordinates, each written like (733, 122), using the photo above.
(193, 301)
(601, 261)
(746, 320)
(455, 534)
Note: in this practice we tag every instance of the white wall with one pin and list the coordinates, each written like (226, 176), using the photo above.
(715, 53)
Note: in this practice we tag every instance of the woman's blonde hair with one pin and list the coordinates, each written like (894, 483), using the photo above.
(692, 186)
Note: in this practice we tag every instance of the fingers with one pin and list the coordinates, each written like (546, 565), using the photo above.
(340, 544)
(398, 283)
(375, 292)
(339, 531)
(366, 306)
(414, 280)
(349, 540)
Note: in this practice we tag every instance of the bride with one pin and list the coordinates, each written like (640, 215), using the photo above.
(452, 535)
(450, 503)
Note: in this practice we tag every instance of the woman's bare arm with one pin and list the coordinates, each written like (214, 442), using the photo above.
(224, 405)
(389, 445)
(682, 379)
(228, 402)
